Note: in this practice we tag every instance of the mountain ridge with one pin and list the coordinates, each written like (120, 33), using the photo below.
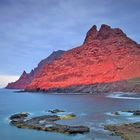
(107, 55)
(26, 78)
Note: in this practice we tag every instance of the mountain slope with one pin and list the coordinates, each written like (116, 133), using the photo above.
(26, 78)
(107, 55)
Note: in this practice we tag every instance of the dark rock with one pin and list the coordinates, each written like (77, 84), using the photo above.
(56, 111)
(126, 131)
(78, 129)
(116, 113)
(135, 112)
(45, 123)
(19, 115)
(67, 129)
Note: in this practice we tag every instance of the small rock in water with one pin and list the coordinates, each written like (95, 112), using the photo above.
(56, 111)
(19, 115)
(135, 112)
(116, 113)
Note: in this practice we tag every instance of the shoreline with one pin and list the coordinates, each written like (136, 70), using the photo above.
(130, 131)
(115, 95)
(130, 85)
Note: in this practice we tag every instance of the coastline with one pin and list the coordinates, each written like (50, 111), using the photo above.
(129, 131)
(131, 85)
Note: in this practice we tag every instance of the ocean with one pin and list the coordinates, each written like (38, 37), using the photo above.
(91, 110)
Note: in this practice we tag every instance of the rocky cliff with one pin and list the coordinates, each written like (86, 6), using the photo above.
(26, 78)
(106, 56)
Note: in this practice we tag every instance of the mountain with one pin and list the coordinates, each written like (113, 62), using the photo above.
(26, 78)
(106, 56)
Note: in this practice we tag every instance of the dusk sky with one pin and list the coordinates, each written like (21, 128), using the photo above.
(31, 29)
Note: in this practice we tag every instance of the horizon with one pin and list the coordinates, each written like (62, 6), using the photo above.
(31, 30)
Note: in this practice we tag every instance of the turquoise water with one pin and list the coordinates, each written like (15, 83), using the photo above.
(91, 110)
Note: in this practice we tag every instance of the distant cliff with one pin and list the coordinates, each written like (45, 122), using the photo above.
(106, 56)
(26, 78)
(107, 61)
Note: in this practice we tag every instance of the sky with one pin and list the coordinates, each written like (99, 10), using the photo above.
(31, 29)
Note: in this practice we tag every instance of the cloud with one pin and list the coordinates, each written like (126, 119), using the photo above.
(5, 79)
(31, 29)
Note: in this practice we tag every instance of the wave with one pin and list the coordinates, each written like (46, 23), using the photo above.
(122, 95)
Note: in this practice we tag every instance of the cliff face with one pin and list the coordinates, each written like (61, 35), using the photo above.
(107, 55)
(26, 78)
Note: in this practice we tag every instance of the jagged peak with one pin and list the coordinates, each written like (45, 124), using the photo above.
(104, 32)
(93, 29)
(32, 71)
(91, 34)
(24, 72)
(104, 27)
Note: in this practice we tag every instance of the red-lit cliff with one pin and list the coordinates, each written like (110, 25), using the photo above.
(106, 56)
(26, 78)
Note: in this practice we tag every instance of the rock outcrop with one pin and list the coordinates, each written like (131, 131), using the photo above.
(129, 131)
(26, 78)
(106, 56)
(46, 123)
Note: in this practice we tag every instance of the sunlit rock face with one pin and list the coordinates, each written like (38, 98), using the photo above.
(106, 55)
(21, 83)
(26, 78)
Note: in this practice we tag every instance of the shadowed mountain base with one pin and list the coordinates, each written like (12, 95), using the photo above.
(132, 85)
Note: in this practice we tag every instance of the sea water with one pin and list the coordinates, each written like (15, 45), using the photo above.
(91, 110)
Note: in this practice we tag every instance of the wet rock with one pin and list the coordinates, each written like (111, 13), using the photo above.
(116, 113)
(135, 112)
(19, 115)
(78, 129)
(56, 111)
(47, 123)
(126, 131)
(67, 129)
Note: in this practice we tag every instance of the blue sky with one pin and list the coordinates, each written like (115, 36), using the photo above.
(31, 29)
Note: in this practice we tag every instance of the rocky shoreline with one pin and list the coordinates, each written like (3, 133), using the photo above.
(131, 85)
(129, 131)
(132, 112)
(126, 131)
(47, 123)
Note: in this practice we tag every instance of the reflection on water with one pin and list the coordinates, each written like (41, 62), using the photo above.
(91, 110)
